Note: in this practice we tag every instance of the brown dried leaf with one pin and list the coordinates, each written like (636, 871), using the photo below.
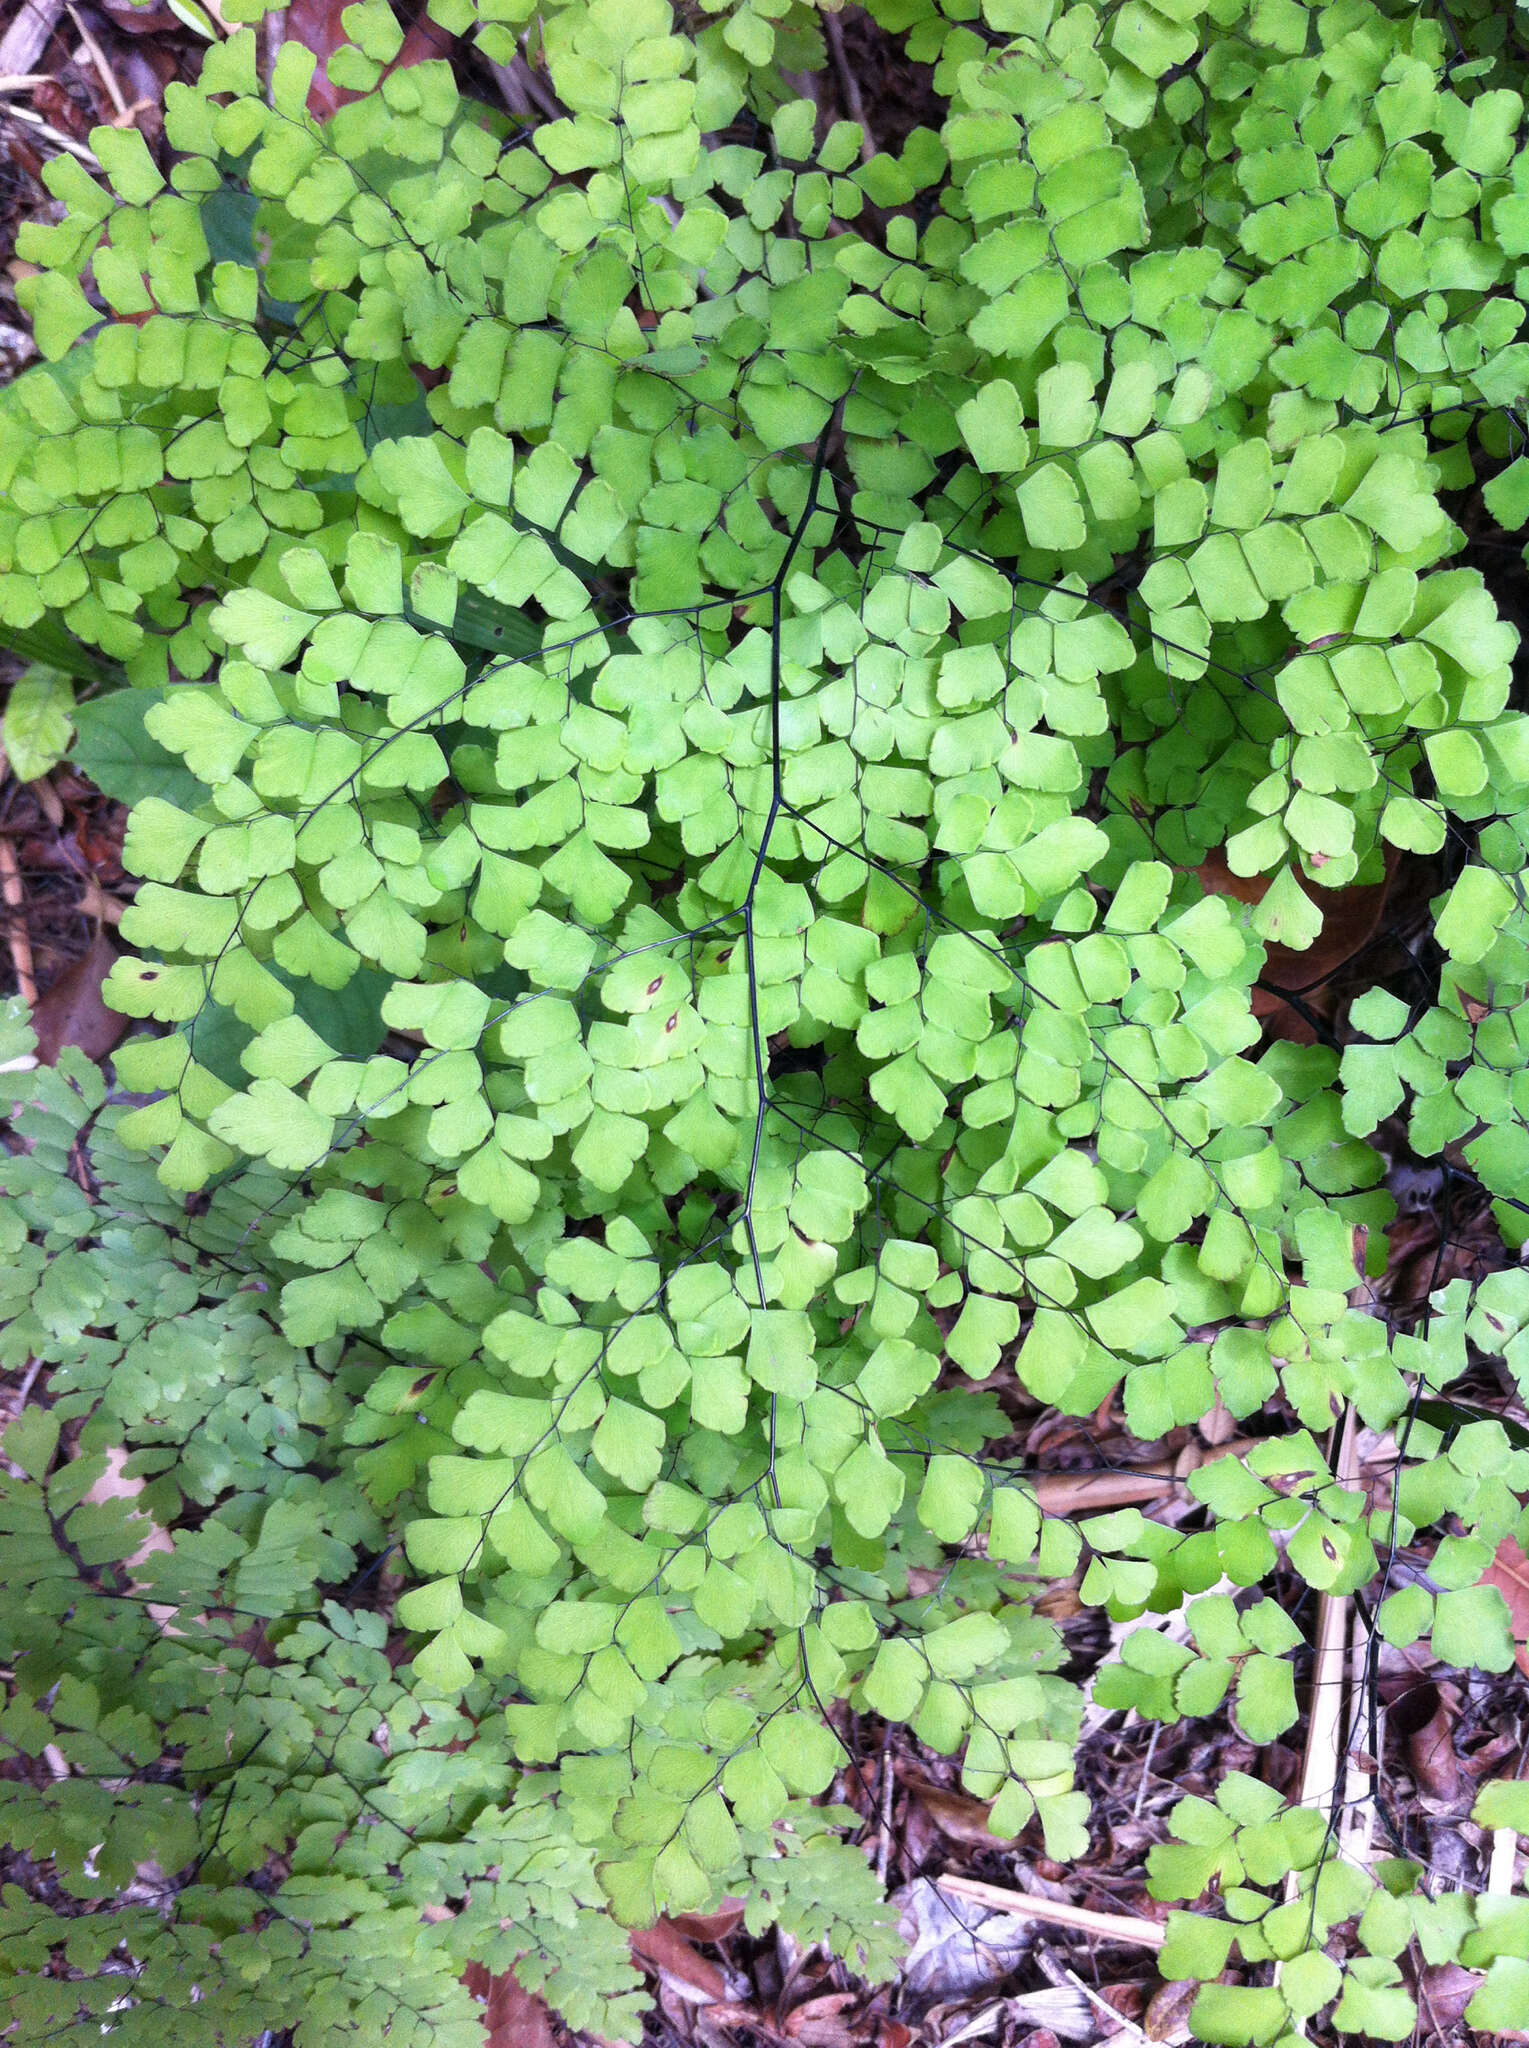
(720, 2022)
(1444, 1991)
(71, 1012)
(1429, 1725)
(956, 1948)
(513, 2017)
(1167, 2014)
(962, 1819)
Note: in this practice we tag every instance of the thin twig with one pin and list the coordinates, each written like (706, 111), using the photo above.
(1132, 1928)
(1323, 1760)
(1146, 1769)
(520, 77)
(1324, 1731)
(849, 85)
(1067, 1493)
(86, 156)
(272, 35)
(93, 51)
(1358, 1829)
(887, 1789)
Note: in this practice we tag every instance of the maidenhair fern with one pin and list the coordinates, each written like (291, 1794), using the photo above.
(681, 667)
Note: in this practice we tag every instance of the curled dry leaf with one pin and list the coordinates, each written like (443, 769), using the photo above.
(704, 1927)
(27, 36)
(957, 1946)
(1167, 2014)
(680, 1967)
(1426, 1717)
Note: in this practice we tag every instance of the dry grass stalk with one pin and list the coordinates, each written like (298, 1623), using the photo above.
(17, 936)
(1131, 1928)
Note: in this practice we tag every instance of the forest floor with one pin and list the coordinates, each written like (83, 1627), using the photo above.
(1072, 1959)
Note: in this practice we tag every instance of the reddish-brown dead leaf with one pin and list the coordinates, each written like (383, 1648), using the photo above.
(663, 1948)
(318, 26)
(513, 2017)
(1350, 917)
(827, 2022)
(733, 2014)
(717, 1926)
(71, 1012)
(1509, 1573)
(149, 20)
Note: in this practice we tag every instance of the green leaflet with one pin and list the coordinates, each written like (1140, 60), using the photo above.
(679, 696)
